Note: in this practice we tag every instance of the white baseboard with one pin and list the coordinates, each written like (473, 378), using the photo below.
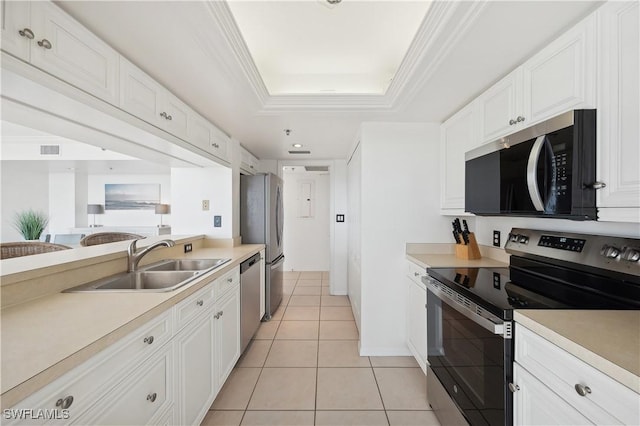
(399, 351)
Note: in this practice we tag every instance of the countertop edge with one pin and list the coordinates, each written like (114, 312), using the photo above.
(41, 379)
(596, 361)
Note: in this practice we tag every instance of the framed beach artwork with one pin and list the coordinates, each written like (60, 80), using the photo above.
(131, 196)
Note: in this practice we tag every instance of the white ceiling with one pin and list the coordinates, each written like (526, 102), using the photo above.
(195, 49)
(350, 47)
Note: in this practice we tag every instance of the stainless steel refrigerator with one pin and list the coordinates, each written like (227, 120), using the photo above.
(261, 222)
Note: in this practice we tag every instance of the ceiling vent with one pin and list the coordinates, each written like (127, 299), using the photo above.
(316, 168)
(49, 149)
(299, 152)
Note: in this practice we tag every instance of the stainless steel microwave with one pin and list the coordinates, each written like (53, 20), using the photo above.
(546, 170)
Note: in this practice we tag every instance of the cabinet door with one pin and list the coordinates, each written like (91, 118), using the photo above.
(500, 108)
(16, 28)
(219, 146)
(536, 404)
(196, 375)
(417, 321)
(199, 131)
(227, 333)
(69, 51)
(562, 76)
(457, 136)
(138, 400)
(175, 119)
(618, 111)
(140, 95)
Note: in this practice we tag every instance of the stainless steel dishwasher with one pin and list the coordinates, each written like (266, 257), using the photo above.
(249, 299)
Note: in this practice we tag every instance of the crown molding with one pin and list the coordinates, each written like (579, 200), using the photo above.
(411, 74)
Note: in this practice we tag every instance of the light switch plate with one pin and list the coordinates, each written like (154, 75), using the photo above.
(217, 221)
(205, 205)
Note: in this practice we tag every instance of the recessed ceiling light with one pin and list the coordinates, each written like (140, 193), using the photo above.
(297, 145)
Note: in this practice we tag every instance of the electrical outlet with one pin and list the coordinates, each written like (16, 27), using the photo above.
(205, 205)
(496, 238)
(188, 247)
(217, 221)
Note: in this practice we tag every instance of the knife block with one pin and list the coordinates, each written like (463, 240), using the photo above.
(469, 251)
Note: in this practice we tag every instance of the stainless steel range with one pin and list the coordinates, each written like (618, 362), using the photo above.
(470, 312)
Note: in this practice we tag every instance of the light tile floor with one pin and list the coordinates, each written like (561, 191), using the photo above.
(303, 368)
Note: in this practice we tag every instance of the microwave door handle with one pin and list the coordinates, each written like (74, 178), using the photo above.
(532, 173)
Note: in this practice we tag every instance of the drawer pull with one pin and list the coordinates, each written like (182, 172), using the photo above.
(65, 403)
(513, 387)
(582, 389)
(148, 340)
(229, 280)
(152, 397)
(200, 302)
(45, 43)
(27, 33)
(416, 274)
(215, 145)
(218, 315)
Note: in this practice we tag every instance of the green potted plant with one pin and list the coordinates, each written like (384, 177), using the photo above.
(30, 223)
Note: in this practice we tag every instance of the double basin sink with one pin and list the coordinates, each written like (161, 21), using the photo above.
(166, 275)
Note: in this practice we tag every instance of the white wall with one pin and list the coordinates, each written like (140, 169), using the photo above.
(189, 187)
(21, 190)
(95, 186)
(62, 202)
(306, 239)
(399, 204)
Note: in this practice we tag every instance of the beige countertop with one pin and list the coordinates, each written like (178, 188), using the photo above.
(607, 340)
(44, 338)
(443, 255)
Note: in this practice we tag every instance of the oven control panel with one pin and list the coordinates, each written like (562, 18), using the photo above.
(562, 243)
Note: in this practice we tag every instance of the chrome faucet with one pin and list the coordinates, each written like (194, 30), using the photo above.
(134, 256)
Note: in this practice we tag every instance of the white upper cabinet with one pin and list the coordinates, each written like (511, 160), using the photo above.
(559, 78)
(143, 97)
(619, 111)
(248, 163)
(562, 76)
(42, 34)
(17, 35)
(457, 136)
(500, 107)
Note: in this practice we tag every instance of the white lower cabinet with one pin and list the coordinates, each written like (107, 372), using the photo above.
(227, 326)
(417, 314)
(553, 387)
(141, 398)
(168, 371)
(197, 383)
(536, 404)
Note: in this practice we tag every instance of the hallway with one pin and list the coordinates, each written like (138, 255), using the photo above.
(303, 368)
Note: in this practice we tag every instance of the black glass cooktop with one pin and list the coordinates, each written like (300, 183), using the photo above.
(500, 290)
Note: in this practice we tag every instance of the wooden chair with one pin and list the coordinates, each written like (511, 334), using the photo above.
(107, 237)
(27, 248)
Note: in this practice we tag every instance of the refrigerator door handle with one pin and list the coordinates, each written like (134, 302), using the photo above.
(277, 264)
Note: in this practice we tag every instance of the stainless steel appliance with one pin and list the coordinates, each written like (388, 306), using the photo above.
(546, 170)
(249, 299)
(470, 313)
(261, 222)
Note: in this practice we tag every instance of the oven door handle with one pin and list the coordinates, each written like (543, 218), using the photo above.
(501, 328)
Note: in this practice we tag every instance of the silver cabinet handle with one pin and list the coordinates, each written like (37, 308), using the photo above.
(45, 43)
(519, 119)
(26, 32)
(152, 397)
(582, 389)
(229, 280)
(166, 116)
(169, 117)
(215, 145)
(513, 387)
(148, 340)
(65, 403)
(416, 274)
(218, 315)
(200, 302)
(512, 122)
(221, 313)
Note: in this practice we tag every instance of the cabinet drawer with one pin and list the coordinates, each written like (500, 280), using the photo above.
(415, 273)
(226, 282)
(609, 402)
(88, 382)
(189, 308)
(136, 401)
